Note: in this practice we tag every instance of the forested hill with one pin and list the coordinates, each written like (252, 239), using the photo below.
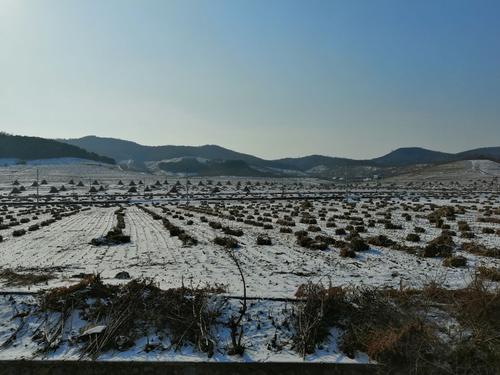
(32, 148)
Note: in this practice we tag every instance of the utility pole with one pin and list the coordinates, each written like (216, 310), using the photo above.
(187, 191)
(37, 188)
(346, 185)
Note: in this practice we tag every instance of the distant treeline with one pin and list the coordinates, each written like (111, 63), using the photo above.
(32, 148)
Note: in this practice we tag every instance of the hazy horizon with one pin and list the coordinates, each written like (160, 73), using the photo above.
(268, 78)
(259, 156)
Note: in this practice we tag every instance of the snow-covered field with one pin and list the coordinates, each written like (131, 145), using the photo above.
(272, 271)
(63, 249)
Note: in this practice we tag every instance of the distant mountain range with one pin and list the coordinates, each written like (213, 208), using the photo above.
(211, 160)
(32, 148)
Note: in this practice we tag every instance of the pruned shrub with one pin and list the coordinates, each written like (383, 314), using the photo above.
(264, 240)
(19, 232)
(313, 228)
(391, 225)
(468, 235)
(232, 231)
(347, 252)
(380, 240)
(440, 246)
(33, 227)
(227, 242)
(340, 232)
(301, 233)
(445, 211)
(463, 226)
(215, 225)
(357, 244)
(413, 237)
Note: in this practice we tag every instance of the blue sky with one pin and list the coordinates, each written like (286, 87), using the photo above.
(272, 78)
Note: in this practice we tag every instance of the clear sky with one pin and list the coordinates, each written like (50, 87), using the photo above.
(273, 78)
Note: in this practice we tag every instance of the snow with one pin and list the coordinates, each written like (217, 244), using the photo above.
(49, 161)
(64, 250)
(260, 332)
(94, 330)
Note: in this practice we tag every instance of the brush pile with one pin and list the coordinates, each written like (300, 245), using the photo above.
(120, 314)
(407, 330)
(115, 236)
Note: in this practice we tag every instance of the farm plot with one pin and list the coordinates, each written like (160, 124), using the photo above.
(284, 265)
(322, 275)
(62, 248)
(310, 249)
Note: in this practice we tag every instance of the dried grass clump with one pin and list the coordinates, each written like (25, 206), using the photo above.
(494, 220)
(12, 278)
(399, 346)
(390, 330)
(62, 298)
(477, 349)
(399, 328)
(489, 273)
(385, 327)
(478, 249)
